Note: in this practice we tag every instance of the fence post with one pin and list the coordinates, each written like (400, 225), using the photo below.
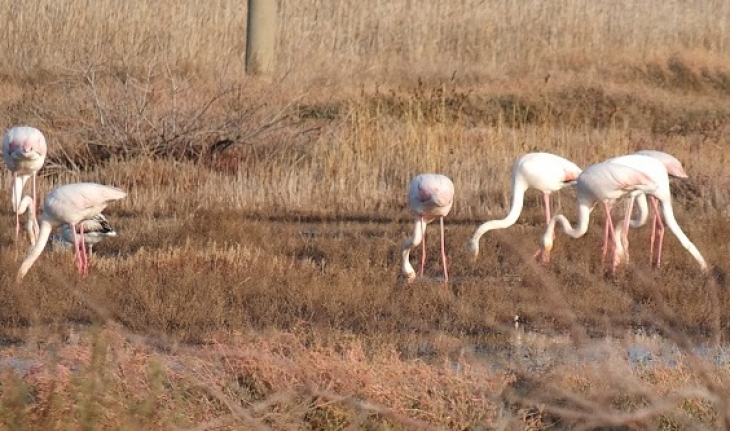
(261, 37)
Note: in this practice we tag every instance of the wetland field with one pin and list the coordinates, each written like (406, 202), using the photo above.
(254, 282)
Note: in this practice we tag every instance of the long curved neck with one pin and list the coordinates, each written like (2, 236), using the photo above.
(45, 232)
(17, 193)
(518, 199)
(581, 225)
(671, 222)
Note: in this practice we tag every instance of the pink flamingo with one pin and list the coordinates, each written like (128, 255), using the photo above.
(657, 171)
(542, 171)
(600, 183)
(24, 151)
(674, 169)
(70, 204)
(430, 196)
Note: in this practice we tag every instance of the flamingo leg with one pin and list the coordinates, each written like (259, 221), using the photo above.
(546, 199)
(443, 252)
(625, 234)
(608, 230)
(423, 246)
(36, 228)
(84, 255)
(612, 236)
(77, 250)
(16, 205)
(660, 229)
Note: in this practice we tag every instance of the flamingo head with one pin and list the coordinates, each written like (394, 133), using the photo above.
(546, 246)
(473, 247)
(570, 175)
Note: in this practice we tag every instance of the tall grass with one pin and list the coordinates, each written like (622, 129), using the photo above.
(471, 39)
(226, 302)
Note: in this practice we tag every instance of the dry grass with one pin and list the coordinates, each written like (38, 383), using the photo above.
(254, 284)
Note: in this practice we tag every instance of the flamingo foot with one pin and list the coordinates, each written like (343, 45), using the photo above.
(542, 256)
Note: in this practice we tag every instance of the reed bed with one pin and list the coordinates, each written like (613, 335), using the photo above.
(254, 282)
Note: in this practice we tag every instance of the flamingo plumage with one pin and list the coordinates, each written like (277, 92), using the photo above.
(24, 152)
(655, 169)
(430, 196)
(674, 169)
(541, 171)
(603, 183)
(70, 204)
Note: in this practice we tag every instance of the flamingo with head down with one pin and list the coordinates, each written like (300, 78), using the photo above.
(430, 196)
(674, 169)
(70, 204)
(24, 152)
(541, 171)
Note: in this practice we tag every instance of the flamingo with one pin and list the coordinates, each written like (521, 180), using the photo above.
(656, 169)
(430, 196)
(24, 151)
(94, 230)
(674, 169)
(600, 183)
(70, 204)
(542, 171)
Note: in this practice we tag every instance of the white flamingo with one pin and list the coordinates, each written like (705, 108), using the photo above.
(541, 171)
(674, 169)
(600, 183)
(70, 204)
(24, 152)
(430, 196)
(656, 169)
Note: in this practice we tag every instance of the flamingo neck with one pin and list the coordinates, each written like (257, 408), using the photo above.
(518, 199)
(37, 249)
(581, 226)
(672, 224)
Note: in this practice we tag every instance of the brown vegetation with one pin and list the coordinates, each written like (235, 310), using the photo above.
(254, 283)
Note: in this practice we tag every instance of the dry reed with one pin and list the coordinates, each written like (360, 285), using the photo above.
(254, 282)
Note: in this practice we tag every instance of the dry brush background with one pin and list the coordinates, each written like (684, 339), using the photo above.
(254, 284)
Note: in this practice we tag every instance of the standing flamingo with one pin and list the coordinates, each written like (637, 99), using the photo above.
(70, 204)
(94, 230)
(674, 169)
(600, 183)
(542, 171)
(657, 171)
(24, 151)
(430, 196)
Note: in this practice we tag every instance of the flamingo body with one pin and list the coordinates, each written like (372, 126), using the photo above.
(70, 204)
(600, 183)
(430, 196)
(24, 152)
(541, 171)
(656, 169)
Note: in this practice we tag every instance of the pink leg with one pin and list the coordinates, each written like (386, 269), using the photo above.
(17, 202)
(77, 250)
(612, 236)
(605, 234)
(84, 255)
(660, 230)
(36, 228)
(653, 238)
(443, 252)
(546, 198)
(625, 234)
(423, 246)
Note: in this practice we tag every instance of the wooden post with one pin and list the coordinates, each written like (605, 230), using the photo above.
(261, 37)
